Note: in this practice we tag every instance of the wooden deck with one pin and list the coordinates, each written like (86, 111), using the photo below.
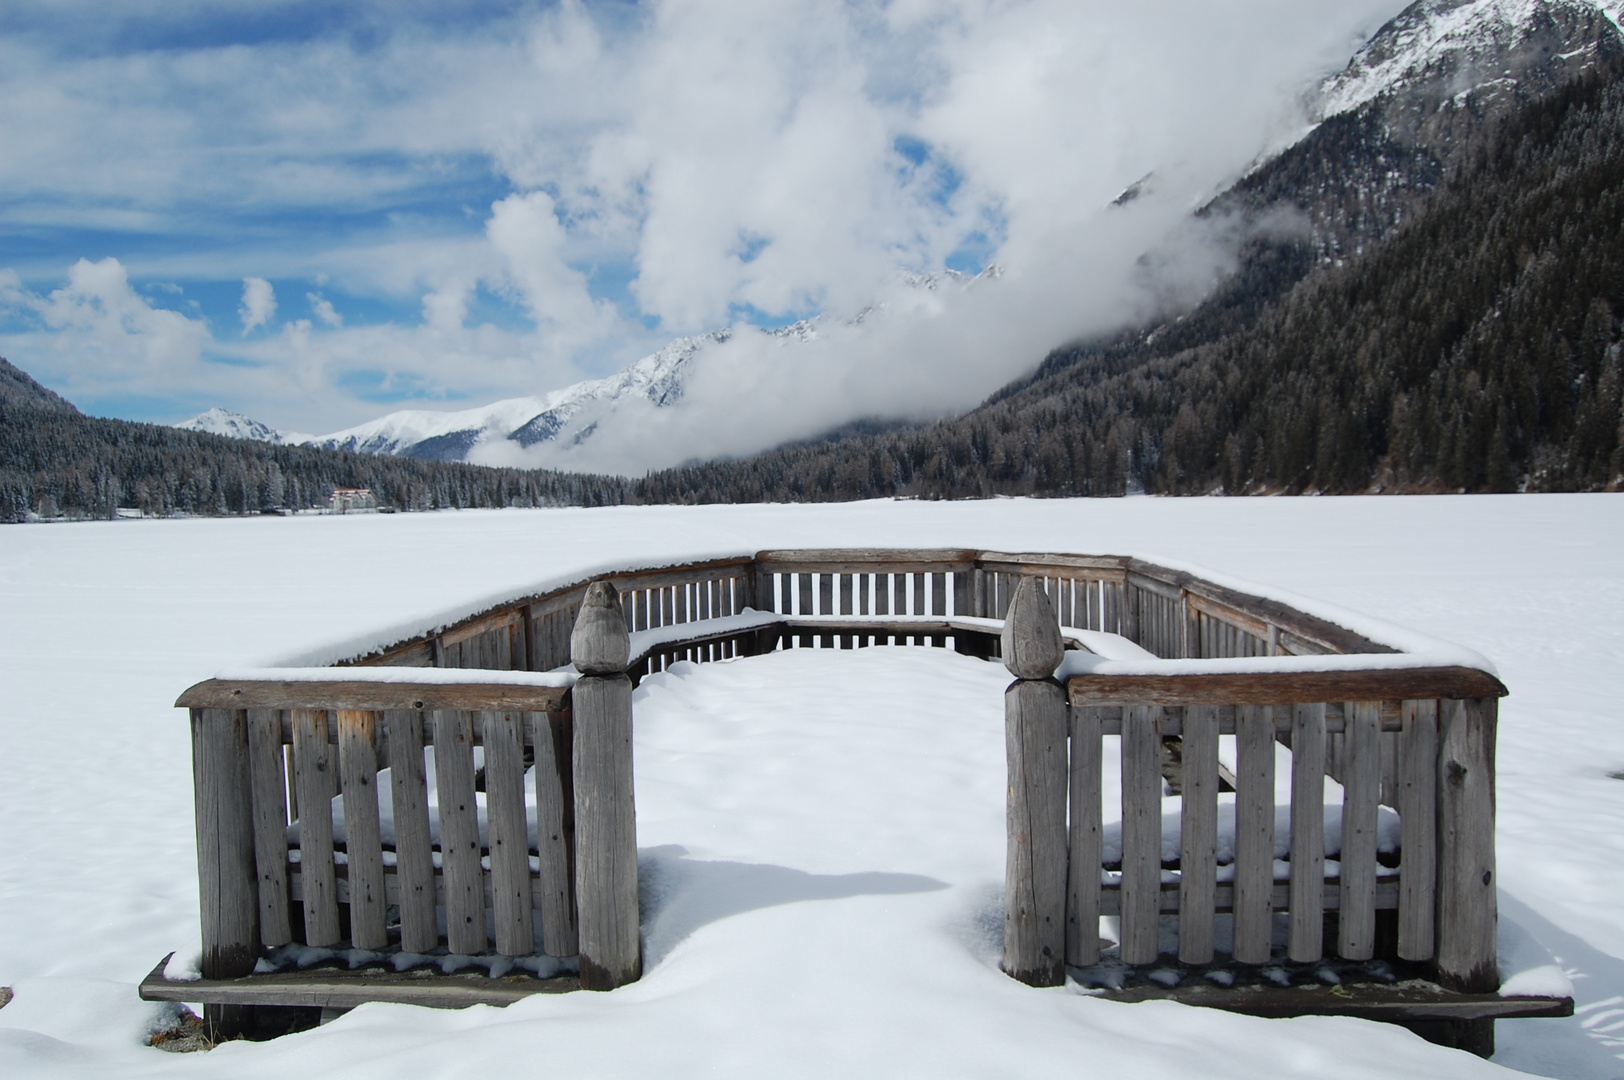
(1410, 729)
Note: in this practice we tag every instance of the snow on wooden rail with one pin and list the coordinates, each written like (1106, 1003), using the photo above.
(1168, 660)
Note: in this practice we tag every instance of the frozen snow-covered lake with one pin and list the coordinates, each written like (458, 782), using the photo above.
(823, 841)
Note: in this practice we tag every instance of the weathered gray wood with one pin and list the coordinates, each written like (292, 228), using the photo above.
(1361, 794)
(1467, 905)
(414, 863)
(803, 599)
(459, 833)
(599, 642)
(1418, 820)
(358, 766)
(1087, 840)
(376, 696)
(1198, 856)
(554, 893)
(313, 768)
(509, 840)
(228, 888)
(270, 825)
(1307, 942)
(1141, 833)
(327, 988)
(1263, 688)
(606, 834)
(1254, 833)
(1035, 881)
(899, 595)
(938, 586)
(1395, 1004)
(1031, 641)
(964, 598)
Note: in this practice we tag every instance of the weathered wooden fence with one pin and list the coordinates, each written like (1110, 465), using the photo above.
(1163, 661)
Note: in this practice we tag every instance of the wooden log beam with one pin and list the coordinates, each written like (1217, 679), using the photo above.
(374, 696)
(605, 806)
(1275, 687)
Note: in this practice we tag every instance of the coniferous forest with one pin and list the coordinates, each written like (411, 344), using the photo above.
(56, 461)
(1472, 344)
(1475, 349)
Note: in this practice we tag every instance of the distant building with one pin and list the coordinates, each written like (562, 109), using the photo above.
(346, 500)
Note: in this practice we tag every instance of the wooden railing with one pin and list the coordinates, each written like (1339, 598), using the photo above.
(1169, 663)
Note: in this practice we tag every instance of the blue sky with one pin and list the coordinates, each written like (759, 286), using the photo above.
(452, 204)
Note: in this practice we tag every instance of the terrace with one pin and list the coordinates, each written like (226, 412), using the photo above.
(1333, 774)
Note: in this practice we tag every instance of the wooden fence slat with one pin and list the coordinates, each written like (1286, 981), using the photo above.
(1361, 794)
(826, 594)
(1254, 833)
(1198, 857)
(503, 733)
(1467, 905)
(899, 598)
(554, 892)
(358, 765)
(1035, 878)
(1307, 943)
(847, 590)
(313, 768)
(938, 585)
(414, 859)
(270, 825)
(1141, 833)
(1086, 840)
(464, 879)
(804, 601)
(227, 884)
(1418, 821)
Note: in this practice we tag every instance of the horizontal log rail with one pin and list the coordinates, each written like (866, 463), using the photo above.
(1178, 667)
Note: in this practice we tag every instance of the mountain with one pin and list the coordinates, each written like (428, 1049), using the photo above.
(18, 390)
(235, 426)
(555, 421)
(1443, 313)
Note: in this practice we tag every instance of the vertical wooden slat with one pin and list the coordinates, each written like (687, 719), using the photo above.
(980, 585)
(313, 768)
(938, 585)
(1198, 857)
(1361, 794)
(846, 595)
(464, 878)
(1389, 767)
(1418, 821)
(1254, 833)
(358, 765)
(270, 825)
(963, 592)
(1141, 833)
(1087, 841)
(550, 735)
(1307, 942)
(1035, 878)
(414, 860)
(227, 882)
(804, 601)
(899, 598)
(606, 833)
(509, 843)
(1467, 905)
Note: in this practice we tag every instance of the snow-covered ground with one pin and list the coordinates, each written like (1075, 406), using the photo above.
(822, 836)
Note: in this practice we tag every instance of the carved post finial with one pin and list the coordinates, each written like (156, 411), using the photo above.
(1031, 641)
(600, 643)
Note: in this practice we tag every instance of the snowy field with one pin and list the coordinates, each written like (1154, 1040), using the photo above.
(822, 841)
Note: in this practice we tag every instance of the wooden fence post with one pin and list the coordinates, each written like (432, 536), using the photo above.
(1035, 870)
(227, 877)
(605, 811)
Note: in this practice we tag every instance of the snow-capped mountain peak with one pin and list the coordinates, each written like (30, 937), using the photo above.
(219, 421)
(1460, 45)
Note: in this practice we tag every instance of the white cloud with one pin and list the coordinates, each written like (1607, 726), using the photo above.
(258, 303)
(691, 158)
(323, 309)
